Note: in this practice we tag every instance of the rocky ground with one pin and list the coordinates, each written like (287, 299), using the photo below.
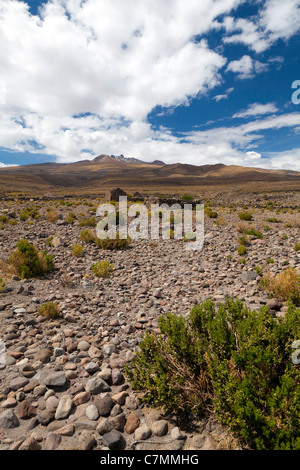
(62, 385)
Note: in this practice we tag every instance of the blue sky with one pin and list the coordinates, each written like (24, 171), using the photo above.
(176, 80)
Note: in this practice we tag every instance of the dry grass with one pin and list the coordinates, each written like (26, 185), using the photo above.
(50, 310)
(285, 286)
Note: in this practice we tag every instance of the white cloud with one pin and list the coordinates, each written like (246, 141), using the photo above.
(256, 109)
(223, 96)
(246, 67)
(276, 19)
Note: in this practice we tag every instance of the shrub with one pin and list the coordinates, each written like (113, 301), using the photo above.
(2, 285)
(3, 219)
(113, 243)
(297, 247)
(259, 270)
(28, 261)
(71, 217)
(245, 215)
(210, 213)
(88, 236)
(242, 250)
(242, 260)
(232, 360)
(285, 286)
(77, 250)
(273, 220)
(254, 232)
(88, 222)
(102, 268)
(52, 216)
(50, 310)
(187, 197)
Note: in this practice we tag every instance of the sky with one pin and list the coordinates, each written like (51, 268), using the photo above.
(189, 81)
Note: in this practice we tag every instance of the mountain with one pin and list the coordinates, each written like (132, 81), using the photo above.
(107, 171)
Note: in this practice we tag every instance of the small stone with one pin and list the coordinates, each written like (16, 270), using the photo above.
(8, 420)
(103, 426)
(94, 352)
(177, 434)
(96, 385)
(160, 428)
(105, 374)
(130, 403)
(44, 355)
(55, 380)
(92, 367)
(52, 441)
(83, 345)
(52, 403)
(112, 439)
(117, 377)
(86, 440)
(30, 444)
(117, 422)
(81, 397)
(92, 412)
(132, 423)
(64, 408)
(25, 410)
(67, 430)
(104, 405)
(120, 397)
(18, 383)
(142, 433)
(11, 402)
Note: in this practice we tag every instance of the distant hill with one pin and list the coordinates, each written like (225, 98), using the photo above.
(107, 171)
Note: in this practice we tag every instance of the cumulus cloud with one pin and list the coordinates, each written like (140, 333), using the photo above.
(246, 67)
(275, 20)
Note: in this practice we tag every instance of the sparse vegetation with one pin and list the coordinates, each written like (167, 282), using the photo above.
(231, 359)
(2, 285)
(285, 286)
(28, 261)
(50, 310)
(113, 243)
(245, 215)
(77, 250)
(102, 268)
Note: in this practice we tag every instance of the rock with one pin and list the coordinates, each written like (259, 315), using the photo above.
(103, 426)
(132, 423)
(11, 402)
(8, 420)
(86, 440)
(52, 403)
(176, 434)
(109, 349)
(25, 410)
(160, 428)
(64, 408)
(142, 433)
(117, 422)
(52, 441)
(274, 304)
(92, 367)
(117, 377)
(105, 374)
(83, 345)
(104, 405)
(30, 444)
(44, 355)
(112, 439)
(92, 412)
(96, 385)
(55, 380)
(67, 430)
(81, 397)
(18, 383)
(120, 397)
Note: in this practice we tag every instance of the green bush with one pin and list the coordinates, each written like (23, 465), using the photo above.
(71, 217)
(2, 285)
(102, 268)
(242, 250)
(229, 359)
(88, 222)
(50, 310)
(245, 215)
(28, 261)
(113, 243)
(210, 213)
